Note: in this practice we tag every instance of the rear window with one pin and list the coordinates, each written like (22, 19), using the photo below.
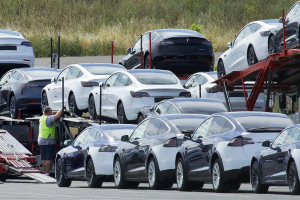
(6, 32)
(264, 123)
(151, 78)
(118, 133)
(42, 73)
(201, 107)
(187, 124)
(101, 70)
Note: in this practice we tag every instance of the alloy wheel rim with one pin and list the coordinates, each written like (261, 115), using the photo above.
(179, 175)
(89, 173)
(151, 173)
(221, 70)
(58, 172)
(292, 178)
(44, 102)
(254, 177)
(12, 106)
(117, 173)
(91, 107)
(251, 57)
(216, 175)
(271, 45)
(72, 104)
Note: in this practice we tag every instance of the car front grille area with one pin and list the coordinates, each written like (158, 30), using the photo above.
(8, 48)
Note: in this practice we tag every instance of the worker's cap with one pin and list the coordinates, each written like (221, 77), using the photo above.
(47, 109)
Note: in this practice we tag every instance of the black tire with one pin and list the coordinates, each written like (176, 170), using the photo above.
(235, 185)
(153, 179)
(271, 45)
(121, 114)
(147, 62)
(133, 184)
(251, 56)
(3, 177)
(13, 107)
(119, 178)
(140, 118)
(181, 178)
(44, 101)
(219, 184)
(92, 108)
(61, 180)
(197, 185)
(255, 180)
(221, 69)
(293, 179)
(73, 106)
(92, 180)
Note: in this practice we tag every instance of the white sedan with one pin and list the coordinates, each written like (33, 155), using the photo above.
(80, 79)
(237, 98)
(125, 93)
(249, 47)
(15, 51)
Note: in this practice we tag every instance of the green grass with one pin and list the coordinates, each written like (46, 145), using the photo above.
(87, 27)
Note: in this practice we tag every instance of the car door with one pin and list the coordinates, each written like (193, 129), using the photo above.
(108, 106)
(131, 152)
(269, 158)
(55, 92)
(134, 57)
(74, 156)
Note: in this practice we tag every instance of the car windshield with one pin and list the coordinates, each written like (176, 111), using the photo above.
(42, 73)
(213, 75)
(154, 78)
(187, 124)
(201, 107)
(102, 70)
(264, 123)
(118, 133)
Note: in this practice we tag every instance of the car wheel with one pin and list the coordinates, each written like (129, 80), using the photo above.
(121, 115)
(92, 108)
(153, 179)
(13, 108)
(251, 56)
(293, 179)
(73, 106)
(44, 101)
(221, 69)
(219, 184)
(119, 175)
(140, 118)
(235, 185)
(60, 175)
(255, 180)
(3, 177)
(92, 180)
(147, 62)
(271, 45)
(182, 182)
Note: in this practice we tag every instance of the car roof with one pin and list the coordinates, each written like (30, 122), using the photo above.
(166, 33)
(213, 72)
(193, 99)
(36, 68)
(101, 64)
(5, 33)
(114, 126)
(149, 71)
(251, 113)
(181, 116)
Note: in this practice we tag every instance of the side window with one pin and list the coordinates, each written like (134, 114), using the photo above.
(139, 131)
(293, 136)
(153, 127)
(14, 77)
(161, 108)
(199, 80)
(74, 72)
(280, 138)
(227, 127)
(5, 78)
(81, 138)
(153, 36)
(123, 80)
(136, 46)
(292, 12)
(250, 30)
(258, 27)
(203, 129)
(204, 80)
(217, 126)
(145, 39)
(173, 110)
(111, 80)
(190, 82)
(92, 135)
(240, 36)
(163, 128)
(63, 74)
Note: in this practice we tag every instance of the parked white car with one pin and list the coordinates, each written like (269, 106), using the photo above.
(249, 47)
(15, 51)
(79, 81)
(125, 93)
(237, 98)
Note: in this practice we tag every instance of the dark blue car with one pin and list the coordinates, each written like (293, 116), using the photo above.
(279, 163)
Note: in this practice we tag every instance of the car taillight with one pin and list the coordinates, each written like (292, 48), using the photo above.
(139, 94)
(173, 142)
(31, 159)
(207, 43)
(164, 42)
(89, 84)
(240, 141)
(265, 33)
(26, 43)
(185, 94)
(29, 85)
(107, 149)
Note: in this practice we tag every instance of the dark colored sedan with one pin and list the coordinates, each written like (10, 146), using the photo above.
(183, 106)
(149, 154)
(20, 89)
(279, 163)
(184, 52)
(222, 147)
(292, 23)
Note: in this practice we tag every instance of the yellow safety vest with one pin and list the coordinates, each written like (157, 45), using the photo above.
(44, 130)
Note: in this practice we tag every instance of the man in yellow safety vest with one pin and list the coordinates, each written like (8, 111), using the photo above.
(47, 137)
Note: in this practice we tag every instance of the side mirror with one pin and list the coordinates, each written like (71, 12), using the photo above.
(151, 109)
(101, 84)
(135, 142)
(198, 141)
(187, 136)
(128, 50)
(280, 20)
(266, 143)
(125, 138)
(67, 142)
(53, 80)
(229, 44)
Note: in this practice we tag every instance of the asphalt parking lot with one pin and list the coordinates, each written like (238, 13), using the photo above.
(28, 189)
